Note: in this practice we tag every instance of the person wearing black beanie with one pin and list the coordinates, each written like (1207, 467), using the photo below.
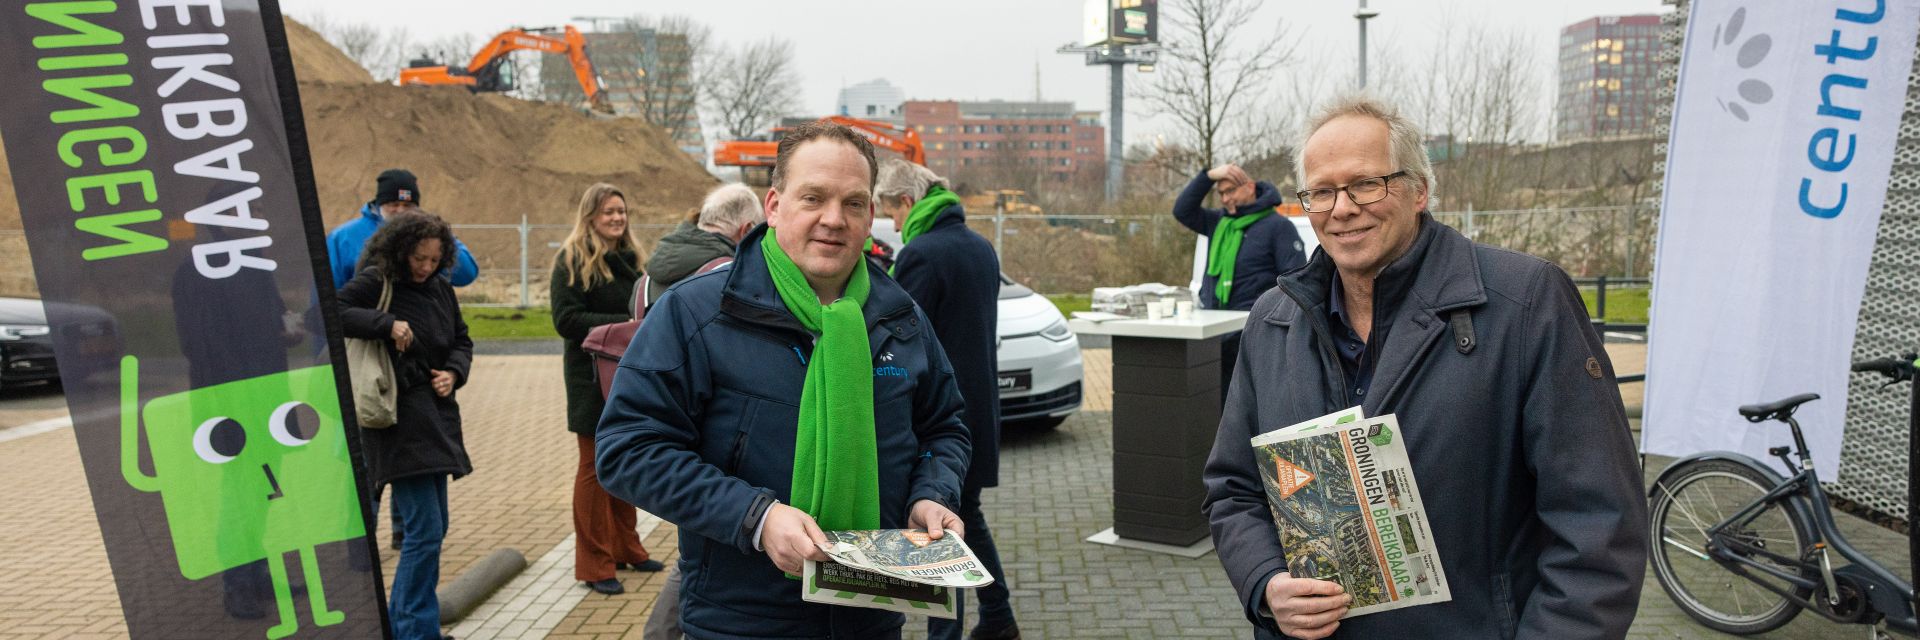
(395, 191)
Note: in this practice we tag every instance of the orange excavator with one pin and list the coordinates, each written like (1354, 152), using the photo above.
(755, 156)
(486, 71)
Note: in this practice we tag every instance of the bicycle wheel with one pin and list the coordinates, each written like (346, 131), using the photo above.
(1699, 496)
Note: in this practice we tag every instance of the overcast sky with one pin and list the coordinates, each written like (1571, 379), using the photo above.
(986, 49)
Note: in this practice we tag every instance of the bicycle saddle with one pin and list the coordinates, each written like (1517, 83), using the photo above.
(1776, 410)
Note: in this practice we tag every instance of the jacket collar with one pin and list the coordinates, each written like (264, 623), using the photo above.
(1438, 274)
(750, 295)
(371, 212)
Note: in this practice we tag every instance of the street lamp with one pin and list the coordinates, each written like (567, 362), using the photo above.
(1362, 16)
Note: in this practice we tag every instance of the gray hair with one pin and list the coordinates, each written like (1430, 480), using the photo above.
(728, 206)
(902, 179)
(1409, 151)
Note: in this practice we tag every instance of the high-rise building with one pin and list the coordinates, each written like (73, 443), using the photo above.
(644, 72)
(872, 100)
(1050, 139)
(1607, 77)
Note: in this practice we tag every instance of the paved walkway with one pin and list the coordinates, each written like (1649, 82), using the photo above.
(1055, 492)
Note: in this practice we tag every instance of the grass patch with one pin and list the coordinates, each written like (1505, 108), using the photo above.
(507, 323)
(1071, 302)
(1624, 305)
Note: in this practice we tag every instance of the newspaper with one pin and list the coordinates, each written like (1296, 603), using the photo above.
(901, 570)
(1348, 510)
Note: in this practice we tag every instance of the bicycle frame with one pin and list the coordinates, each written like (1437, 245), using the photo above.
(1803, 494)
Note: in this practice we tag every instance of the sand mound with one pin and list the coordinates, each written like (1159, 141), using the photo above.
(481, 159)
(316, 61)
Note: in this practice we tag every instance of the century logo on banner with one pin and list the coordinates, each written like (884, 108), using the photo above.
(1785, 118)
(159, 190)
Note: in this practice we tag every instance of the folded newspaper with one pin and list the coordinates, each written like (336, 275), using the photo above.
(901, 570)
(1347, 508)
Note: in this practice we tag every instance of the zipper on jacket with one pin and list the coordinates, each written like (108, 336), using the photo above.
(1329, 356)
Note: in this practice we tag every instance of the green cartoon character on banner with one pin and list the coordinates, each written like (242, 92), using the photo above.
(248, 470)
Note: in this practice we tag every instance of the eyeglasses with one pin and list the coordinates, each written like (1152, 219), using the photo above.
(1360, 192)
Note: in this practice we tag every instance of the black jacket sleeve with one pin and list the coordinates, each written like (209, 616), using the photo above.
(1188, 210)
(1590, 497)
(360, 315)
(1288, 250)
(572, 318)
(460, 357)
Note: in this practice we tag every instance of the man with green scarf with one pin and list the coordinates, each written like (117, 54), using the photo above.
(953, 274)
(1248, 245)
(799, 390)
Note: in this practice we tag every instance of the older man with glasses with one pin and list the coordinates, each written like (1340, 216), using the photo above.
(1505, 397)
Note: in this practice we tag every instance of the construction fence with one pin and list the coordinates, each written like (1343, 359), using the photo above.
(1049, 253)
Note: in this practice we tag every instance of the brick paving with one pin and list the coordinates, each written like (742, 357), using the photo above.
(1055, 492)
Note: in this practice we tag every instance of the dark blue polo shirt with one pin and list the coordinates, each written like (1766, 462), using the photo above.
(1356, 359)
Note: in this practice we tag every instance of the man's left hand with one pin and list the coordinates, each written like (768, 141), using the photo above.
(935, 518)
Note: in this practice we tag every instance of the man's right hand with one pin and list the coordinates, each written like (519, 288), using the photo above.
(790, 537)
(1306, 608)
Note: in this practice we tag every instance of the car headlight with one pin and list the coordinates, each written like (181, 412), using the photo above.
(1057, 332)
(22, 331)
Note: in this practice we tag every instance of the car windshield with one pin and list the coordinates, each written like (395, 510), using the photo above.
(1010, 289)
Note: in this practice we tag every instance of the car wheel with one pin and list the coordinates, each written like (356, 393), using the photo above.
(1040, 424)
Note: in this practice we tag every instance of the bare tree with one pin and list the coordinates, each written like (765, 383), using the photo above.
(380, 51)
(1214, 71)
(753, 86)
(669, 85)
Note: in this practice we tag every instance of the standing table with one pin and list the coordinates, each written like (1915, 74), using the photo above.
(1166, 408)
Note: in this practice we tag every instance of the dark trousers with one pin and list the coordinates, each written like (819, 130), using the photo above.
(603, 526)
(996, 600)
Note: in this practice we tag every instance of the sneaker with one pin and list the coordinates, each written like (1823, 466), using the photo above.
(609, 586)
(649, 566)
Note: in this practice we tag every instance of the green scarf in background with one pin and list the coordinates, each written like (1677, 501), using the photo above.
(1224, 247)
(924, 212)
(836, 466)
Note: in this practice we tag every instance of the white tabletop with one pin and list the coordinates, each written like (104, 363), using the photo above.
(1202, 324)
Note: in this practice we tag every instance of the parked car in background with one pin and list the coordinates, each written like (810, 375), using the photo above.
(1040, 368)
(26, 343)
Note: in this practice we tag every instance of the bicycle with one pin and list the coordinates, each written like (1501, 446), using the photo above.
(1731, 570)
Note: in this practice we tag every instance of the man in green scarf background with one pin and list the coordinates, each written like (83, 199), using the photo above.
(798, 390)
(1248, 244)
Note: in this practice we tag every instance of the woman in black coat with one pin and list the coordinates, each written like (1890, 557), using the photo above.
(593, 281)
(432, 354)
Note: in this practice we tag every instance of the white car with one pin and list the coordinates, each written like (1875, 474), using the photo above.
(1040, 369)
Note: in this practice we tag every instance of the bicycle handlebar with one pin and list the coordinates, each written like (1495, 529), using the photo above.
(1899, 369)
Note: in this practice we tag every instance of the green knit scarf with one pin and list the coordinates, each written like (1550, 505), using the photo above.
(836, 467)
(924, 212)
(1224, 248)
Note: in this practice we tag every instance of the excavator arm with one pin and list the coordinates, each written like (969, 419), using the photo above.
(481, 73)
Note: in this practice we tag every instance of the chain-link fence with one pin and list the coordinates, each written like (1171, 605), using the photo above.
(1050, 253)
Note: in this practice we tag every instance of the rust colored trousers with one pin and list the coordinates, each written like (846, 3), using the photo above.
(603, 526)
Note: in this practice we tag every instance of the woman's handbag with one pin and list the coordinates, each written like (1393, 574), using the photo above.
(376, 393)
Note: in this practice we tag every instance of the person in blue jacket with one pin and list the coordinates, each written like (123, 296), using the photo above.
(800, 390)
(395, 191)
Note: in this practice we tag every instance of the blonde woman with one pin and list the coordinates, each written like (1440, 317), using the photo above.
(593, 279)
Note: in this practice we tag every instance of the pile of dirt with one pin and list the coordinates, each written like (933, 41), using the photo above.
(481, 159)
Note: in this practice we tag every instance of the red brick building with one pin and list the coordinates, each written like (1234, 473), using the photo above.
(983, 144)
